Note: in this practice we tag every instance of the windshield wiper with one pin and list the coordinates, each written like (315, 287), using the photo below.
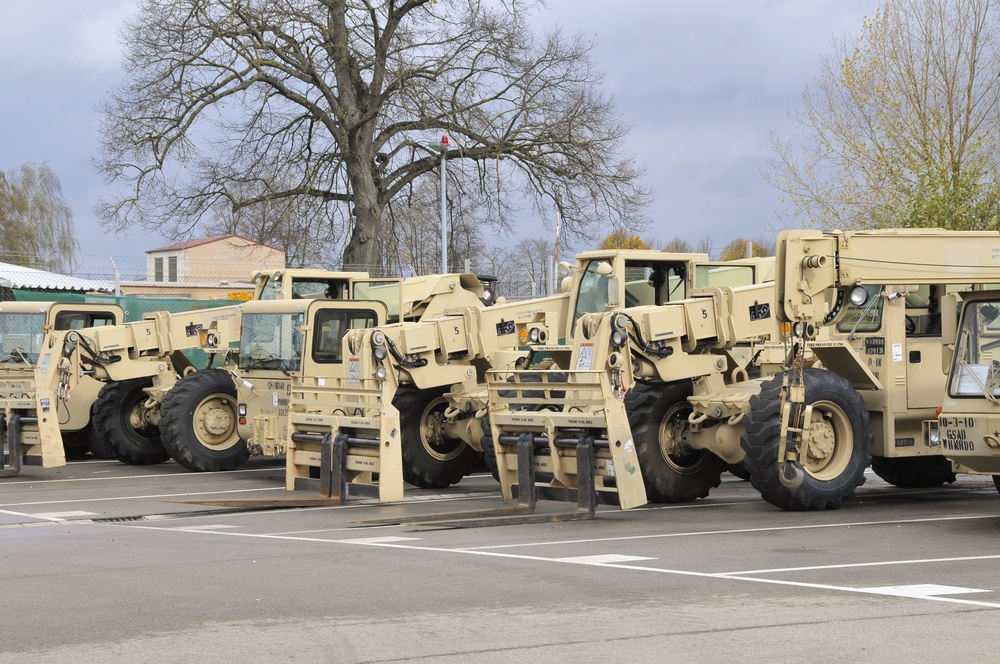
(984, 387)
(17, 354)
(265, 362)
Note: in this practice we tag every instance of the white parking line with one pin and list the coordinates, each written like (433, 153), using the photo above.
(917, 561)
(134, 497)
(731, 531)
(586, 561)
(27, 483)
(378, 540)
(62, 515)
(924, 590)
(602, 560)
(31, 516)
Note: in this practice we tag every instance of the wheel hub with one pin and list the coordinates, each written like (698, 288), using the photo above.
(218, 421)
(434, 432)
(434, 428)
(822, 440)
(135, 419)
(673, 445)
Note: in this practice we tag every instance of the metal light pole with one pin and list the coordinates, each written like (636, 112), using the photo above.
(441, 145)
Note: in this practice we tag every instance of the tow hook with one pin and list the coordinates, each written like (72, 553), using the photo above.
(791, 474)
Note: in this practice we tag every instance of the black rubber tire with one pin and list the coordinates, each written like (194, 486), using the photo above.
(429, 464)
(111, 417)
(489, 452)
(739, 470)
(827, 481)
(98, 446)
(198, 404)
(75, 444)
(924, 472)
(996, 482)
(669, 478)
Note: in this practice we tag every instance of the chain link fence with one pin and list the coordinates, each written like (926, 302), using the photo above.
(195, 279)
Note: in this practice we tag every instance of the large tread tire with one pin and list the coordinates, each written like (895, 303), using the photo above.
(75, 445)
(198, 423)
(833, 468)
(489, 451)
(656, 412)
(114, 415)
(98, 446)
(430, 460)
(739, 470)
(925, 472)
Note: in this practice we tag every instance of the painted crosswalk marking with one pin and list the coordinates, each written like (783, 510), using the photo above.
(606, 559)
(62, 515)
(377, 540)
(923, 590)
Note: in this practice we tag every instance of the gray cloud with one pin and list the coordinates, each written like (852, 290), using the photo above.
(702, 84)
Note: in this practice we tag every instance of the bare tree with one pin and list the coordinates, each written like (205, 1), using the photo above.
(703, 246)
(529, 263)
(412, 244)
(342, 96)
(300, 226)
(37, 223)
(901, 129)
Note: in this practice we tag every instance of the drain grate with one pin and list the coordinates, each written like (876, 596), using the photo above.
(118, 519)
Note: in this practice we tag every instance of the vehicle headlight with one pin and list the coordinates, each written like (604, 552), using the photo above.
(933, 435)
(379, 352)
(378, 338)
(858, 295)
(618, 338)
(381, 373)
(803, 330)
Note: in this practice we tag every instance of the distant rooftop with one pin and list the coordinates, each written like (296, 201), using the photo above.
(189, 244)
(26, 278)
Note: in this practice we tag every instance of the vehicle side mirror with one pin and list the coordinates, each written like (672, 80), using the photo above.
(613, 301)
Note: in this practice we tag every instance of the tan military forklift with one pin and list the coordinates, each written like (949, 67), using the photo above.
(23, 326)
(862, 314)
(596, 431)
(967, 426)
(264, 373)
(137, 364)
(432, 373)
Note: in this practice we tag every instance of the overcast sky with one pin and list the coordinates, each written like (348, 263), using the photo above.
(702, 83)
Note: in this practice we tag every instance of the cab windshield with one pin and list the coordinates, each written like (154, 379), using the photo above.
(592, 294)
(646, 283)
(309, 289)
(386, 291)
(976, 369)
(271, 341)
(21, 337)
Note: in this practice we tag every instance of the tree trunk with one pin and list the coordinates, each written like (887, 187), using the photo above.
(363, 250)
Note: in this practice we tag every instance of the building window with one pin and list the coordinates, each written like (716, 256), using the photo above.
(172, 268)
(157, 269)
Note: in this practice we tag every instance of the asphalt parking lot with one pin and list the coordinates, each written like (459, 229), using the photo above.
(99, 565)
